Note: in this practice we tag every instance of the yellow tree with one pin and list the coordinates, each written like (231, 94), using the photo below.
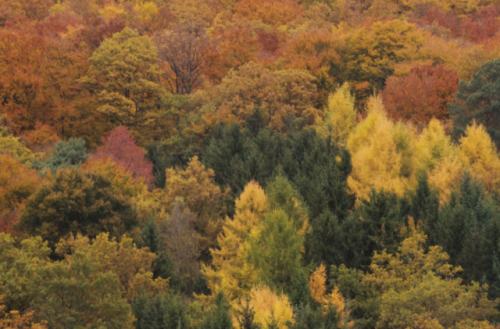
(382, 153)
(133, 266)
(340, 116)
(478, 153)
(230, 271)
(317, 284)
(270, 307)
(14, 147)
(15, 320)
(435, 154)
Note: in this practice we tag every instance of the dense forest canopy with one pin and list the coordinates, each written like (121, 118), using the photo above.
(249, 164)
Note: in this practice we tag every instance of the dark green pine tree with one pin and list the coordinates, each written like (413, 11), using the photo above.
(161, 312)
(424, 206)
(246, 317)
(468, 229)
(478, 100)
(373, 226)
(322, 241)
(218, 316)
(308, 317)
(163, 266)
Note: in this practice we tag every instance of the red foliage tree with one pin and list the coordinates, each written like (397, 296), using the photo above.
(120, 146)
(447, 20)
(7, 221)
(421, 95)
(482, 25)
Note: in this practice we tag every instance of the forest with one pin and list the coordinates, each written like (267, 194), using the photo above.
(249, 164)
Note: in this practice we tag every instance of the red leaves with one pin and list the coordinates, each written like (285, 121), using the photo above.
(421, 95)
(120, 146)
(482, 25)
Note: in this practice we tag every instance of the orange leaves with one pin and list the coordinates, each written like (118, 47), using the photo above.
(17, 183)
(422, 95)
(272, 12)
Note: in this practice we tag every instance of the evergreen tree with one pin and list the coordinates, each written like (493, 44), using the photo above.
(246, 317)
(276, 251)
(468, 229)
(478, 100)
(218, 316)
(152, 239)
(373, 226)
(424, 205)
(160, 312)
(66, 154)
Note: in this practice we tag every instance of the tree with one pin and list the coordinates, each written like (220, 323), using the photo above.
(421, 95)
(418, 288)
(275, 249)
(14, 320)
(278, 95)
(317, 51)
(126, 81)
(218, 316)
(72, 294)
(17, 183)
(382, 153)
(374, 225)
(274, 13)
(120, 146)
(14, 147)
(66, 155)
(196, 186)
(466, 230)
(78, 295)
(132, 266)
(478, 153)
(477, 100)
(75, 202)
(161, 312)
(269, 307)
(21, 265)
(372, 55)
(182, 241)
(231, 272)
(182, 48)
(153, 240)
(282, 195)
(318, 167)
(340, 117)
(479, 26)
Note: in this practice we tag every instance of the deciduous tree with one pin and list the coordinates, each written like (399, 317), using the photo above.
(120, 146)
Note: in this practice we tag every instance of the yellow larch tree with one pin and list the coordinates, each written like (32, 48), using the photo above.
(317, 284)
(270, 307)
(340, 116)
(436, 154)
(381, 153)
(230, 271)
(478, 153)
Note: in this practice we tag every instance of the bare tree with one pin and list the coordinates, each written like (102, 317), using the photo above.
(182, 48)
(182, 242)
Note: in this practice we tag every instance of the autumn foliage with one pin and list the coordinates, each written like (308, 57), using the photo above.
(249, 164)
(421, 95)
